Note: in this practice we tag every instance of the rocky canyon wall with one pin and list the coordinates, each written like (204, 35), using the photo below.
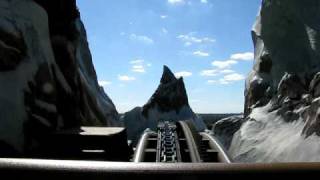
(47, 78)
(282, 91)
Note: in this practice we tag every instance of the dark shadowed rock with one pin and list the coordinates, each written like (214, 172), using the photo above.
(292, 86)
(315, 86)
(12, 47)
(225, 128)
(168, 103)
(170, 95)
(167, 76)
(47, 78)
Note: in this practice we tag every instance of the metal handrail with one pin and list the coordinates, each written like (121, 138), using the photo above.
(29, 168)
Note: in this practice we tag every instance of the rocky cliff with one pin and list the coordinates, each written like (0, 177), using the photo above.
(168, 103)
(47, 77)
(282, 91)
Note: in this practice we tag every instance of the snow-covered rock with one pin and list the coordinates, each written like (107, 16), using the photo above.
(168, 103)
(282, 105)
(47, 78)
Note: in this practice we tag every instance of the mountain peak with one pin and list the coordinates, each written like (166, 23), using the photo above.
(167, 75)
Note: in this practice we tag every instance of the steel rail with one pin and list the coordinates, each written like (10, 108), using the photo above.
(214, 144)
(192, 146)
(141, 147)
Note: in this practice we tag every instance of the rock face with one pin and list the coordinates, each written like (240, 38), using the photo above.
(282, 92)
(168, 103)
(47, 78)
(225, 128)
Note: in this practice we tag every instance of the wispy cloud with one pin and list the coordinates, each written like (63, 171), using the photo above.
(223, 64)
(210, 72)
(223, 67)
(138, 68)
(164, 31)
(176, 2)
(141, 38)
(190, 39)
(226, 71)
(164, 16)
(201, 53)
(139, 65)
(216, 72)
(183, 74)
(137, 61)
(104, 83)
(247, 56)
(188, 2)
(126, 78)
(234, 77)
(228, 79)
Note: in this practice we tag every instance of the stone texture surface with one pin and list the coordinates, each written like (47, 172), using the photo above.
(168, 103)
(225, 128)
(281, 94)
(47, 78)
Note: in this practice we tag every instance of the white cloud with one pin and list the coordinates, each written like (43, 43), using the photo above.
(204, 1)
(215, 72)
(228, 79)
(141, 38)
(233, 77)
(247, 56)
(138, 68)
(187, 43)
(163, 16)
(220, 81)
(226, 71)
(223, 81)
(183, 74)
(137, 61)
(104, 83)
(176, 2)
(190, 39)
(210, 72)
(224, 64)
(139, 65)
(164, 31)
(126, 78)
(201, 53)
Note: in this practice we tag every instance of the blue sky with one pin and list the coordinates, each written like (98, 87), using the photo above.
(208, 42)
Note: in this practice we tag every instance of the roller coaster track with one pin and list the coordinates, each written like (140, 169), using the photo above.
(179, 142)
(177, 151)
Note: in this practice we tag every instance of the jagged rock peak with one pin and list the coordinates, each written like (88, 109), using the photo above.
(167, 75)
(168, 103)
(170, 95)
